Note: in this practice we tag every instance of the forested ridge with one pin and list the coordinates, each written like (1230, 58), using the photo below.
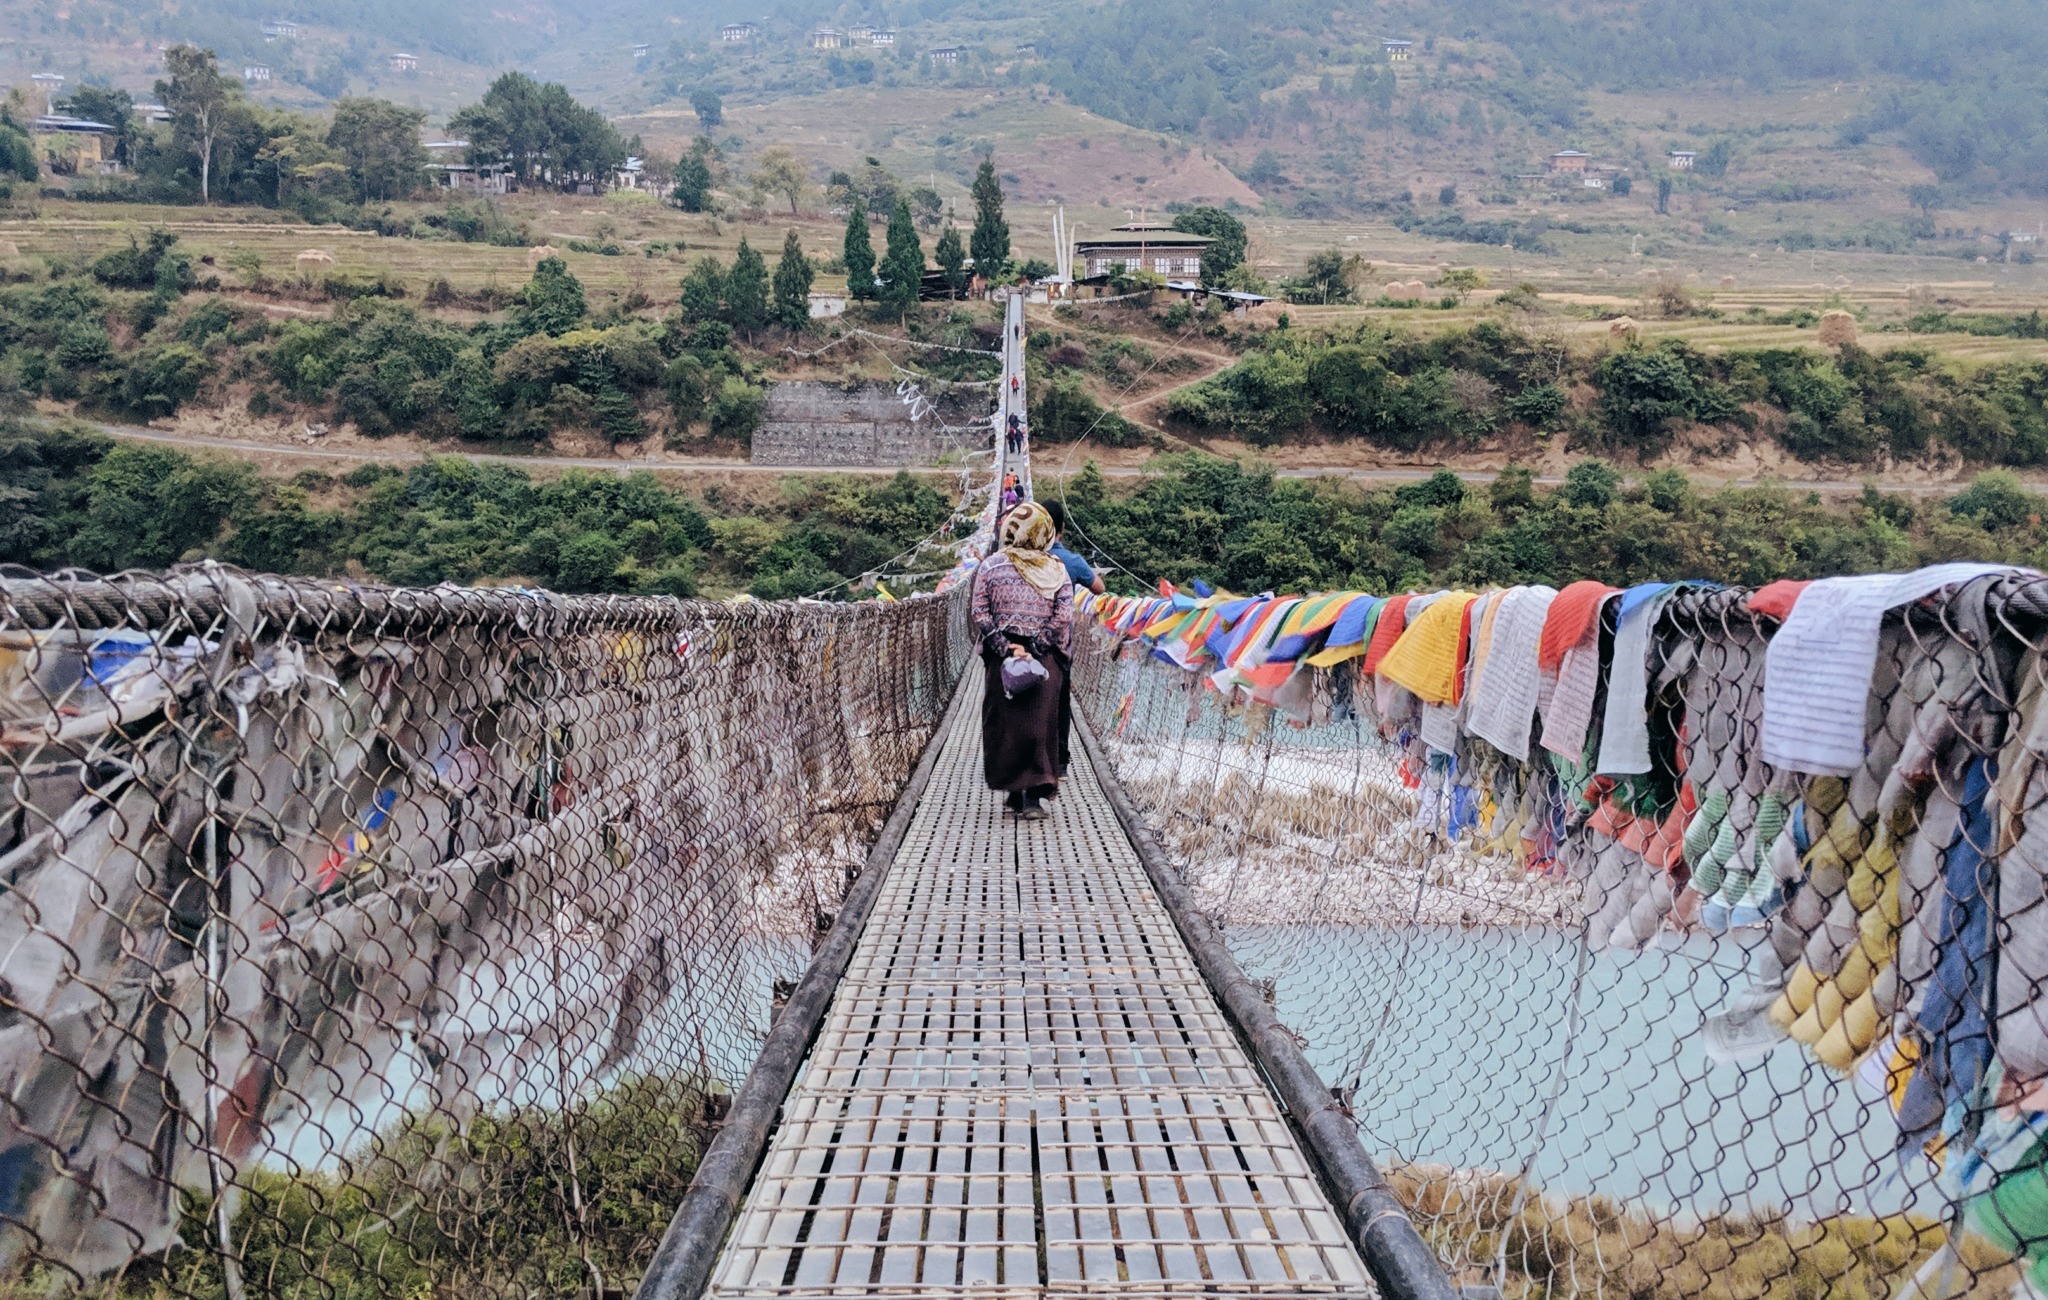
(1962, 83)
(1965, 81)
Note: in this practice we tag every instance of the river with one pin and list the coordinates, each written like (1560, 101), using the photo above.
(1473, 1043)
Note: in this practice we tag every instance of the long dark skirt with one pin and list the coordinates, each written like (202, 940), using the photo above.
(1020, 738)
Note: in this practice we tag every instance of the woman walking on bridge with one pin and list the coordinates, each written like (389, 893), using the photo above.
(1024, 613)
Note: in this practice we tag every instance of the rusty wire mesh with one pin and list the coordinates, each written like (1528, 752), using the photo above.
(1718, 1031)
(366, 942)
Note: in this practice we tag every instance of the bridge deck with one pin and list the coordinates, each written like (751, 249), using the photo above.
(1025, 1089)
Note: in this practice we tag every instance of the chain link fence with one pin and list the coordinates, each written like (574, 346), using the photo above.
(359, 942)
(1715, 1030)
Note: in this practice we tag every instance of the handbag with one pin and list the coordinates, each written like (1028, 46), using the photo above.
(1022, 674)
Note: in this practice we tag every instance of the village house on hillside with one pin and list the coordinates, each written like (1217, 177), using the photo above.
(827, 38)
(734, 32)
(1568, 160)
(71, 146)
(1397, 51)
(50, 83)
(255, 73)
(451, 169)
(1681, 160)
(882, 36)
(278, 27)
(860, 33)
(948, 53)
(404, 62)
(1139, 247)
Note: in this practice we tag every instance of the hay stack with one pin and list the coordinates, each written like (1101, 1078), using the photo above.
(540, 253)
(1623, 329)
(1416, 289)
(1837, 328)
(313, 258)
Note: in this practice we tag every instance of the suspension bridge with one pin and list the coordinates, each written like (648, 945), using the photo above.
(372, 942)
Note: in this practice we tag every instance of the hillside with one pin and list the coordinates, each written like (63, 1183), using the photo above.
(1850, 109)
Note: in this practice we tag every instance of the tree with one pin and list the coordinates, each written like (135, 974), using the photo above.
(692, 191)
(793, 275)
(951, 259)
(1461, 280)
(200, 101)
(902, 260)
(1641, 391)
(1714, 162)
(1328, 277)
(746, 289)
(858, 254)
(1590, 485)
(539, 131)
(926, 206)
(1227, 240)
(782, 172)
(990, 240)
(17, 155)
(380, 143)
(116, 108)
(708, 107)
(552, 302)
(704, 291)
(877, 186)
(1924, 197)
(1663, 194)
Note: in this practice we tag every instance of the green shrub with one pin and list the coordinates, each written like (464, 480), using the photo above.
(1642, 390)
(735, 410)
(148, 265)
(1538, 406)
(159, 380)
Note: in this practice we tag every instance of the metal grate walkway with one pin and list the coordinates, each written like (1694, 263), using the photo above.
(1025, 1089)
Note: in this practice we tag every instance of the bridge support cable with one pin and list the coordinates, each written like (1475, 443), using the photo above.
(1012, 401)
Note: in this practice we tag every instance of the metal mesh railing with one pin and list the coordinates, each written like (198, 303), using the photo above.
(358, 942)
(1716, 1030)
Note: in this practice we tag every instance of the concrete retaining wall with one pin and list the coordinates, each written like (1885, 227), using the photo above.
(826, 425)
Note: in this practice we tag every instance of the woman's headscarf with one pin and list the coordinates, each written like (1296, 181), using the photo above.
(1027, 533)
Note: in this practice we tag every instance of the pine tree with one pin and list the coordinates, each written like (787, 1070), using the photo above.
(903, 260)
(692, 191)
(551, 302)
(951, 258)
(746, 289)
(990, 242)
(793, 284)
(859, 255)
(704, 291)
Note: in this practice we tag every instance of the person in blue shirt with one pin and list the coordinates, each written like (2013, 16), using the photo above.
(1082, 572)
(1085, 578)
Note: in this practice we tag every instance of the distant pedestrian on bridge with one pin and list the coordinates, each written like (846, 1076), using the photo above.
(1024, 608)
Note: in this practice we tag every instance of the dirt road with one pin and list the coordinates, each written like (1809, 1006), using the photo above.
(1052, 466)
